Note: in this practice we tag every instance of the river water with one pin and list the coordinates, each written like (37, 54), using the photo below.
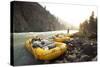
(21, 55)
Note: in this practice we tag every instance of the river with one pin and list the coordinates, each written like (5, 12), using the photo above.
(21, 55)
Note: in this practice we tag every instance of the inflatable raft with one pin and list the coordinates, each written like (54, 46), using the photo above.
(61, 38)
(43, 54)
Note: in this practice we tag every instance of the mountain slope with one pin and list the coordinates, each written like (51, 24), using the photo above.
(32, 17)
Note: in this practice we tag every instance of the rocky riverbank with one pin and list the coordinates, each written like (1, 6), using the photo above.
(79, 50)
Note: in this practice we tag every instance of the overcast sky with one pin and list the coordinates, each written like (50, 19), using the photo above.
(73, 14)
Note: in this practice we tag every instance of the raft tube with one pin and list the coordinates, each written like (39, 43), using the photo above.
(62, 39)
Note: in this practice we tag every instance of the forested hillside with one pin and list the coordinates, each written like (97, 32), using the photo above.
(32, 17)
(89, 27)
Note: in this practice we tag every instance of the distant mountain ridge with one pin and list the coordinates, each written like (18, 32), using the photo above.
(32, 17)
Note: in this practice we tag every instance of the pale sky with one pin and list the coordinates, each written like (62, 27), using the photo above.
(73, 14)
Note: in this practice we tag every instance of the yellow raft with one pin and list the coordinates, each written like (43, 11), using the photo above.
(49, 54)
(61, 38)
